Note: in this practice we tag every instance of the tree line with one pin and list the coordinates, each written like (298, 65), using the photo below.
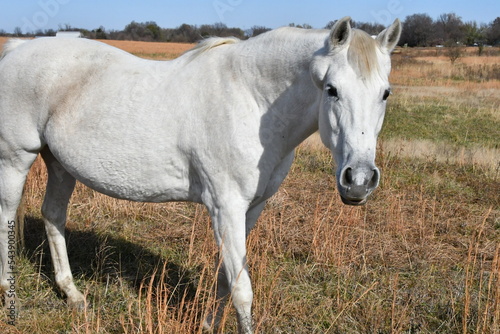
(422, 30)
(418, 30)
(149, 32)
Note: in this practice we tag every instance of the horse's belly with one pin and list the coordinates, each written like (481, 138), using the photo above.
(126, 153)
(144, 183)
(137, 171)
(139, 179)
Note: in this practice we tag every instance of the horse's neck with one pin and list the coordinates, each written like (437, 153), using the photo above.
(287, 96)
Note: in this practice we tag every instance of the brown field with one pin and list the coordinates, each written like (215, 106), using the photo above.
(422, 257)
(151, 50)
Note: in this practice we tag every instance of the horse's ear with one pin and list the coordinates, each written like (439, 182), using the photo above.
(389, 38)
(341, 32)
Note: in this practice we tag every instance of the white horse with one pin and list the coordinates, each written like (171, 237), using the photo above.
(217, 126)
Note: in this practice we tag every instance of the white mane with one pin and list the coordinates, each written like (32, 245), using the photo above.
(209, 44)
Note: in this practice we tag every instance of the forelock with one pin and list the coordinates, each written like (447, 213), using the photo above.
(362, 55)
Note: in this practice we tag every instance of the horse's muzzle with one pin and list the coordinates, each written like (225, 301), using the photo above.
(356, 184)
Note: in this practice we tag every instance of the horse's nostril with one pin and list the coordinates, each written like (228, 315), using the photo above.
(355, 185)
(375, 179)
(367, 178)
(348, 176)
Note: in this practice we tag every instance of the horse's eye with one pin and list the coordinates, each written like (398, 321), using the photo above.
(386, 94)
(332, 91)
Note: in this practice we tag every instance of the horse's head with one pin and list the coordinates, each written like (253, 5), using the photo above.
(353, 73)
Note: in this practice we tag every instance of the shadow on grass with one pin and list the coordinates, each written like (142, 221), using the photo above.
(101, 258)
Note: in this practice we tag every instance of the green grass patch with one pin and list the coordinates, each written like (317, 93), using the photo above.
(461, 125)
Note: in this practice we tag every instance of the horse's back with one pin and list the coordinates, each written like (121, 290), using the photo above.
(42, 71)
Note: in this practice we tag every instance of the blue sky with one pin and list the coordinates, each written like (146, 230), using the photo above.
(31, 15)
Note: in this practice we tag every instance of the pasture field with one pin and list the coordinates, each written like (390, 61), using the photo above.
(423, 256)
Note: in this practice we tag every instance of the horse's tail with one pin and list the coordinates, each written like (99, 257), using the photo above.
(11, 45)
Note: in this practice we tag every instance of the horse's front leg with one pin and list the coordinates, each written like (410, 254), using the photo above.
(229, 224)
(222, 289)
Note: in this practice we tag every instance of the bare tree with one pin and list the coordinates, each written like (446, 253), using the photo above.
(257, 30)
(493, 33)
(450, 27)
(371, 28)
(418, 30)
(18, 31)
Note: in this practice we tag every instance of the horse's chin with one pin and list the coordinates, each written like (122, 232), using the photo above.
(354, 201)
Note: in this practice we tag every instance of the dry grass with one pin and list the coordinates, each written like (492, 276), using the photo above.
(421, 257)
(481, 157)
(416, 259)
(430, 69)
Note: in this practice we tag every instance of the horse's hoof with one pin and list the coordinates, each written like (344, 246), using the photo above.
(77, 304)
